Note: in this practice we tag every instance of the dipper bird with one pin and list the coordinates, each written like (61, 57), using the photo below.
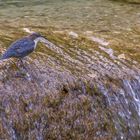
(22, 47)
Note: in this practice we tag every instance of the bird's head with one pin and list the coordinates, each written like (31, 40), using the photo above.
(35, 36)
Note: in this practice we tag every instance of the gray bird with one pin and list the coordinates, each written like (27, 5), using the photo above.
(22, 47)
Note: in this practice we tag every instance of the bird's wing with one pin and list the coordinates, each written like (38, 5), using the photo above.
(21, 47)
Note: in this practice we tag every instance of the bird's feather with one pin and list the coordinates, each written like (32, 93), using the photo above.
(19, 48)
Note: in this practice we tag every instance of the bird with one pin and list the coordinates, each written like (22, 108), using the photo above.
(22, 47)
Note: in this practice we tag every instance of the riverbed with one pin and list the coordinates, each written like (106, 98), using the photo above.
(82, 82)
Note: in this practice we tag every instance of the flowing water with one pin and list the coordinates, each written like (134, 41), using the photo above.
(82, 82)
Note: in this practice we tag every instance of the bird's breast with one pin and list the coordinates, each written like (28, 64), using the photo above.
(35, 41)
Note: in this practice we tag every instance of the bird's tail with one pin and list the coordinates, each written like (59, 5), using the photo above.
(2, 58)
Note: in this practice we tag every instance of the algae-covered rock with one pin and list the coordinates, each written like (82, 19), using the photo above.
(62, 94)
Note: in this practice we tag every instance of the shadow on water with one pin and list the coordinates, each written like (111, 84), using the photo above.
(77, 84)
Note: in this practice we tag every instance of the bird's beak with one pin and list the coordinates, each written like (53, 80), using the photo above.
(43, 37)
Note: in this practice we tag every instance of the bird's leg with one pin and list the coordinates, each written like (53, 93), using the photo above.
(21, 62)
(23, 70)
(23, 65)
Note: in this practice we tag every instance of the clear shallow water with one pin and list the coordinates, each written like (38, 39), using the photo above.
(84, 82)
(117, 23)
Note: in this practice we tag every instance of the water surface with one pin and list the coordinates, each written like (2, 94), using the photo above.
(83, 82)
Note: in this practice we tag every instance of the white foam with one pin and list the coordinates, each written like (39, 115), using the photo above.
(28, 30)
(99, 40)
(109, 51)
(73, 34)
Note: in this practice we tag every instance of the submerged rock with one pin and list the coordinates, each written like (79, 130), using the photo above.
(130, 1)
(69, 92)
(133, 1)
(73, 34)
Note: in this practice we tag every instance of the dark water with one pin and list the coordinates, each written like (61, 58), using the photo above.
(84, 83)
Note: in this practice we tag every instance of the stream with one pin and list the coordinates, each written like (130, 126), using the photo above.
(82, 82)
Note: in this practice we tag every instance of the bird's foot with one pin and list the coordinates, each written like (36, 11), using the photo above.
(24, 74)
